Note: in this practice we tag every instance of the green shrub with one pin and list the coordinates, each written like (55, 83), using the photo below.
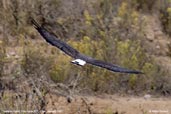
(36, 61)
(145, 5)
(165, 17)
(61, 68)
(2, 58)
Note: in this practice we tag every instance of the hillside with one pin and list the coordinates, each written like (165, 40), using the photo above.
(133, 34)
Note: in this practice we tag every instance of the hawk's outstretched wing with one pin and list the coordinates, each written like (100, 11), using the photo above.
(53, 40)
(111, 67)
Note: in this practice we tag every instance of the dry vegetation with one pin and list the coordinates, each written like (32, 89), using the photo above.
(110, 30)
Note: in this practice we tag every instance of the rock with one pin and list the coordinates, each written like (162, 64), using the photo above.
(150, 36)
(147, 96)
(157, 47)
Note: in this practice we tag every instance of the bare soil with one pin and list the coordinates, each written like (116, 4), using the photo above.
(109, 104)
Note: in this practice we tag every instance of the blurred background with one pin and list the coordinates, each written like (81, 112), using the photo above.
(131, 33)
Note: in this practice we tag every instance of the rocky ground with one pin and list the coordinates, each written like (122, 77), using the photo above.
(157, 42)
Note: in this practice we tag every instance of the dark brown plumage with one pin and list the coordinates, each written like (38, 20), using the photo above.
(80, 58)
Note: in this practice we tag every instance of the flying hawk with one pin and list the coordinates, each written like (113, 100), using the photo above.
(80, 59)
